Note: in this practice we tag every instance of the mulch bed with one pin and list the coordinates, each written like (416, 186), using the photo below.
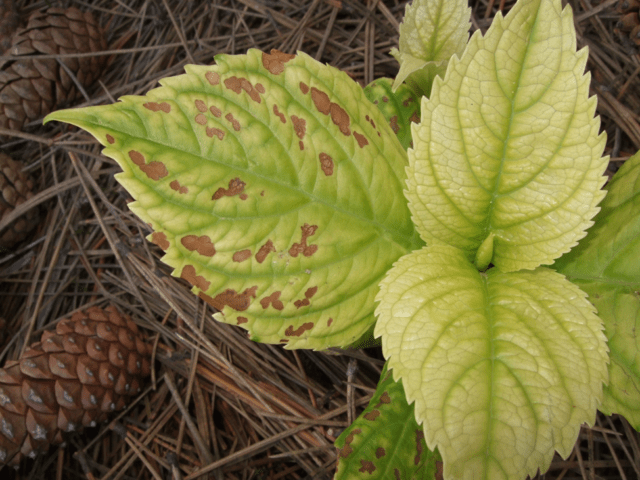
(220, 406)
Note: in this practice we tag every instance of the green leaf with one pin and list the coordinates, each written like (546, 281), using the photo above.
(431, 33)
(503, 367)
(385, 442)
(606, 265)
(509, 145)
(400, 109)
(274, 187)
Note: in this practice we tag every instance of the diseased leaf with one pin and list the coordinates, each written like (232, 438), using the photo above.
(385, 442)
(431, 33)
(606, 265)
(400, 108)
(274, 187)
(508, 144)
(503, 367)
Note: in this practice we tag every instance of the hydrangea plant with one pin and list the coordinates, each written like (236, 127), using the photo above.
(312, 212)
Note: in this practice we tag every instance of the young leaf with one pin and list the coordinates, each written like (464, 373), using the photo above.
(385, 441)
(400, 108)
(274, 187)
(503, 367)
(606, 265)
(431, 33)
(509, 145)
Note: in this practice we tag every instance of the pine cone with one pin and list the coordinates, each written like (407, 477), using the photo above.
(31, 88)
(629, 23)
(15, 188)
(9, 23)
(71, 378)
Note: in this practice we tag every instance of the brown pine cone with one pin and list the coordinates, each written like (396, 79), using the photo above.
(31, 88)
(9, 23)
(15, 188)
(72, 378)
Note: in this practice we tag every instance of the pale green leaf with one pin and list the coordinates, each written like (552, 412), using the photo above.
(385, 442)
(274, 187)
(503, 367)
(606, 265)
(400, 108)
(509, 145)
(431, 33)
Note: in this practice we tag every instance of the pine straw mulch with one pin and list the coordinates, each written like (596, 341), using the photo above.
(219, 405)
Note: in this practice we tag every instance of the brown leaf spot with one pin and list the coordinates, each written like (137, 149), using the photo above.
(280, 115)
(326, 163)
(110, 139)
(213, 78)
(260, 88)
(338, 115)
(407, 102)
(243, 196)
(301, 145)
(393, 123)
(236, 85)
(136, 157)
(175, 185)
(215, 111)
(415, 118)
(274, 62)
(155, 170)
(160, 239)
(370, 120)
(201, 106)
(321, 101)
(419, 437)
(362, 140)
(396, 472)
(241, 256)
(242, 320)
(236, 187)
(290, 332)
(299, 125)
(302, 303)
(273, 300)
(385, 398)
(200, 244)
(372, 415)
(341, 118)
(345, 451)
(385, 99)
(367, 466)
(304, 88)
(237, 301)
(284, 340)
(234, 123)
(262, 193)
(265, 250)
(189, 274)
(157, 107)
(329, 322)
(311, 292)
(215, 131)
(380, 452)
(439, 470)
(302, 247)
(201, 119)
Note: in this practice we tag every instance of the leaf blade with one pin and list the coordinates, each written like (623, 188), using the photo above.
(503, 367)
(509, 144)
(269, 189)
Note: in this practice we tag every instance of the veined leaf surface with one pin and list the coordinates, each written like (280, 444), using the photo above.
(606, 265)
(401, 108)
(503, 367)
(430, 34)
(385, 442)
(274, 187)
(508, 144)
